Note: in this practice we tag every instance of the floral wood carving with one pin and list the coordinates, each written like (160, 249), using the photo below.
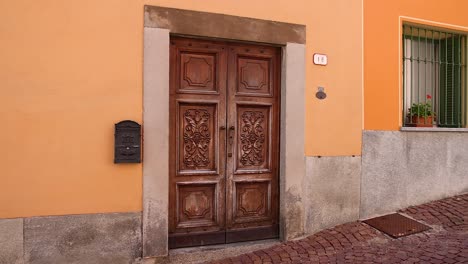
(196, 138)
(252, 138)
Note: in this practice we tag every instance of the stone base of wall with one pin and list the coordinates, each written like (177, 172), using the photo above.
(93, 238)
(401, 169)
(332, 189)
(11, 241)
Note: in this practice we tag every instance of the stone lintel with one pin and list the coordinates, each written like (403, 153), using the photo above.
(195, 23)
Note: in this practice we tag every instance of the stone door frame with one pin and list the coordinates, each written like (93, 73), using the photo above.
(159, 24)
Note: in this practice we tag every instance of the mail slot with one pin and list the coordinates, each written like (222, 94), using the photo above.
(127, 142)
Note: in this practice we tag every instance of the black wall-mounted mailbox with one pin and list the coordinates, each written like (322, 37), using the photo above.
(127, 142)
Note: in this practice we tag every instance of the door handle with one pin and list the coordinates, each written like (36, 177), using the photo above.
(231, 140)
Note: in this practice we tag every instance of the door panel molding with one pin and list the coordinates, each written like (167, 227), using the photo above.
(196, 206)
(252, 201)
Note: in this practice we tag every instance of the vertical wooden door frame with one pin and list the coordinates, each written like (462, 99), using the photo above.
(158, 25)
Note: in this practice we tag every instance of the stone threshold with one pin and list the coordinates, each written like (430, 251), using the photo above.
(195, 255)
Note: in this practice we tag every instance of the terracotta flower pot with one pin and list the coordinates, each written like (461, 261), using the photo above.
(420, 121)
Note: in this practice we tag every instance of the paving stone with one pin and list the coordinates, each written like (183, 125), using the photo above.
(357, 242)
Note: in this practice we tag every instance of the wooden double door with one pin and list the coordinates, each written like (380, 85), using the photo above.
(224, 142)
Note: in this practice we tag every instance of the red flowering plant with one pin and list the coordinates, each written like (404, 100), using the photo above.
(422, 109)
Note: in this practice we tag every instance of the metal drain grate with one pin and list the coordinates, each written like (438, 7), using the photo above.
(396, 225)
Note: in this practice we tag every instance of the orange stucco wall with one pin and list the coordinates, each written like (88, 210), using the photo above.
(382, 59)
(69, 70)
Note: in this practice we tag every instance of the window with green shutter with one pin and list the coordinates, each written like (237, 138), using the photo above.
(434, 77)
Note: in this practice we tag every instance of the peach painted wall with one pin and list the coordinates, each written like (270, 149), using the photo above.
(382, 59)
(69, 70)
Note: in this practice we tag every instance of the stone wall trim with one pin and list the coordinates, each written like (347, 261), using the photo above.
(156, 143)
(195, 23)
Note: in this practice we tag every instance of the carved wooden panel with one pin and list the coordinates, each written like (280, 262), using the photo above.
(198, 72)
(252, 201)
(196, 205)
(253, 140)
(197, 137)
(254, 76)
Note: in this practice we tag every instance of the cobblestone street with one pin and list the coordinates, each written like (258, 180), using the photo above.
(356, 242)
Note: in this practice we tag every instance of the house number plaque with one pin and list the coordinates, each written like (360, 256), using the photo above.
(127, 142)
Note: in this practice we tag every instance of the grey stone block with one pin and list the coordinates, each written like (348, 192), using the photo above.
(94, 238)
(401, 169)
(427, 175)
(457, 164)
(332, 187)
(11, 241)
(384, 164)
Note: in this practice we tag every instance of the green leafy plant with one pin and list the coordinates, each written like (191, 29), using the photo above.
(422, 109)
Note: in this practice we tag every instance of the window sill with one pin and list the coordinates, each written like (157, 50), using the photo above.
(433, 129)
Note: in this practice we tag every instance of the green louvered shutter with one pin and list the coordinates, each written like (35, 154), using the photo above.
(450, 83)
